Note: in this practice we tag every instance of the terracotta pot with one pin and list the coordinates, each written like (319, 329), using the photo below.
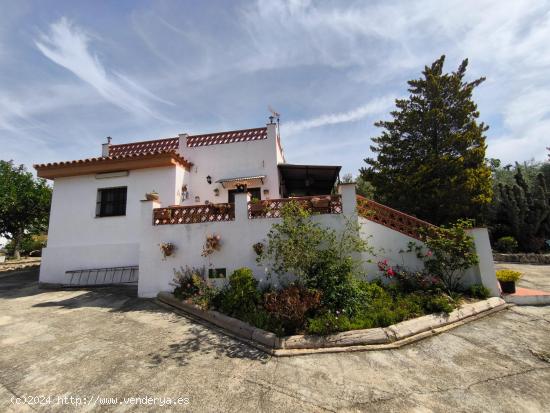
(256, 207)
(320, 202)
(152, 196)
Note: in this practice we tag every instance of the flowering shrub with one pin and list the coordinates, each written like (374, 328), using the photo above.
(408, 280)
(450, 252)
(190, 284)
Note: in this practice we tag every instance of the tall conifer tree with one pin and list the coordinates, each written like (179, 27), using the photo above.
(430, 158)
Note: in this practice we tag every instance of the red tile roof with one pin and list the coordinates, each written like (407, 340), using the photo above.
(168, 145)
(134, 148)
(244, 135)
(100, 159)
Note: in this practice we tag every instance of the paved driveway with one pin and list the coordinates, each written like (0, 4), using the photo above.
(106, 343)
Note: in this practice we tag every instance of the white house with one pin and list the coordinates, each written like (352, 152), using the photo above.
(231, 184)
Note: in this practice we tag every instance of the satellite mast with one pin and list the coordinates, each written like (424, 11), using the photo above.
(274, 115)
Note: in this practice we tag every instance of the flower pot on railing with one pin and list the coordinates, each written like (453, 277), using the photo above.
(152, 196)
(320, 203)
(256, 207)
(221, 208)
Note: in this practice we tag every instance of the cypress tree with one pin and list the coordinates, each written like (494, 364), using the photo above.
(430, 158)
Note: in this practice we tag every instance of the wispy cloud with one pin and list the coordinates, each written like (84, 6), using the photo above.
(376, 106)
(68, 46)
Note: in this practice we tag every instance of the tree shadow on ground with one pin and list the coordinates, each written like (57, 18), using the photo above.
(201, 341)
(115, 299)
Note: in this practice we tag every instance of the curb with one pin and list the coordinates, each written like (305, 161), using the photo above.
(527, 299)
(392, 337)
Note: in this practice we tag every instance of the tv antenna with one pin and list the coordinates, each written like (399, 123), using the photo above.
(274, 115)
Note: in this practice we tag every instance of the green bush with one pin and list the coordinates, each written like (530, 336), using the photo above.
(190, 283)
(241, 296)
(438, 304)
(450, 252)
(382, 306)
(506, 244)
(479, 291)
(508, 275)
(328, 323)
(321, 258)
(29, 243)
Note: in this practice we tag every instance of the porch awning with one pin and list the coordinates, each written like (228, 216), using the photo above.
(248, 180)
(306, 180)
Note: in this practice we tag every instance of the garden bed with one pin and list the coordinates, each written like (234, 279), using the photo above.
(373, 338)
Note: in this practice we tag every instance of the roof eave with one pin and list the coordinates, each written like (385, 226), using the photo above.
(100, 165)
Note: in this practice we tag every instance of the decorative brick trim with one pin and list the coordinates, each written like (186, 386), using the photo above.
(271, 208)
(193, 214)
(391, 218)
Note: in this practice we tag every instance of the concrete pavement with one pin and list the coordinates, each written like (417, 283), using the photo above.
(107, 343)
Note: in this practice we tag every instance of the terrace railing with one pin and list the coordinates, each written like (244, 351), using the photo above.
(271, 208)
(391, 218)
(195, 214)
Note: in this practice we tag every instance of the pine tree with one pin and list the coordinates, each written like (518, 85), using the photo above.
(431, 156)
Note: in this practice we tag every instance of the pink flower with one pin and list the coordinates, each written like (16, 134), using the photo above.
(429, 254)
(390, 272)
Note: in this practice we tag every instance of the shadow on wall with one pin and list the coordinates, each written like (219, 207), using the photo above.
(201, 341)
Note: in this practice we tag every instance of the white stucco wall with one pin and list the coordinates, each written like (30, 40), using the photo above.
(232, 160)
(237, 238)
(389, 245)
(77, 239)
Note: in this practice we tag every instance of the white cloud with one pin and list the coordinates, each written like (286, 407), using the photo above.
(376, 106)
(382, 44)
(67, 45)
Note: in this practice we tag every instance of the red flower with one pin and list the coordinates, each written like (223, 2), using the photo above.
(390, 272)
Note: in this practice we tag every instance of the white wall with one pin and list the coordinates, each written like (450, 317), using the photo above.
(232, 160)
(237, 238)
(387, 245)
(77, 239)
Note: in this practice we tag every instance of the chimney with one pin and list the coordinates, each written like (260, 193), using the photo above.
(105, 147)
(182, 142)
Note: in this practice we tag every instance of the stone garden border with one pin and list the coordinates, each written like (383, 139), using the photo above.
(522, 258)
(390, 337)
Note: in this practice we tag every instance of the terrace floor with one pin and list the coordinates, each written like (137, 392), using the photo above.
(108, 343)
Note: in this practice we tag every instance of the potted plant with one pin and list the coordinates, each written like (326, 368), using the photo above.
(221, 208)
(320, 202)
(256, 206)
(216, 191)
(213, 243)
(258, 248)
(167, 248)
(507, 280)
(152, 196)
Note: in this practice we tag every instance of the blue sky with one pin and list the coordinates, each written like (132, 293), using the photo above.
(74, 72)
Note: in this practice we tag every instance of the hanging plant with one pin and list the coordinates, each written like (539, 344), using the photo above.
(213, 243)
(258, 248)
(167, 248)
